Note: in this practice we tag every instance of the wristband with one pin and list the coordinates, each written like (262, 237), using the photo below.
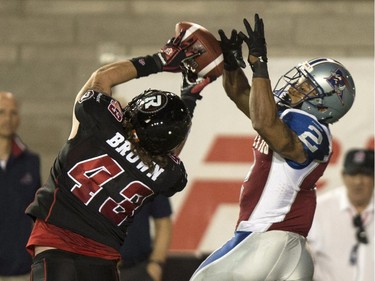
(230, 67)
(259, 68)
(230, 63)
(147, 65)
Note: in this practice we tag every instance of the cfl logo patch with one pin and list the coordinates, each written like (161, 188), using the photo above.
(115, 109)
(168, 51)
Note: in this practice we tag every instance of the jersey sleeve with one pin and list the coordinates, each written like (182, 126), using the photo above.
(161, 207)
(98, 109)
(315, 136)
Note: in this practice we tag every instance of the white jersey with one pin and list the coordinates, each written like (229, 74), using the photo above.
(333, 236)
(277, 207)
(279, 194)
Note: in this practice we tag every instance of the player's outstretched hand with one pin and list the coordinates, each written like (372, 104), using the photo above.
(232, 50)
(255, 39)
(256, 43)
(192, 85)
(174, 53)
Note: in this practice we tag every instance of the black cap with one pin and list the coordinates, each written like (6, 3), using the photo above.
(359, 161)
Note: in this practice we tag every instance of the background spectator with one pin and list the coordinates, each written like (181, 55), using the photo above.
(19, 179)
(143, 254)
(342, 235)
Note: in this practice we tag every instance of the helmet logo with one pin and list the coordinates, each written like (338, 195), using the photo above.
(86, 96)
(338, 83)
(153, 103)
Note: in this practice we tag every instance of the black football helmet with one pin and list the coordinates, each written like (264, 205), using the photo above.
(160, 120)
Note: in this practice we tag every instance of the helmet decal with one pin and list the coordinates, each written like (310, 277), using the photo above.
(338, 83)
(154, 103)
(160, 119)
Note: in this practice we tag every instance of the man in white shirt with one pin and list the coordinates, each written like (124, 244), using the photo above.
(342, 235)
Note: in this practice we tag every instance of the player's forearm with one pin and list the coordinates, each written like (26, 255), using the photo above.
(116, 73)
(263, 110)
(108, 76)
(237, 88)
(162, 239)
(270, 127)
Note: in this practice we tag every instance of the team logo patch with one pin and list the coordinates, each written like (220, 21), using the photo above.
(359, 157)
(115, 109)
(86, 96)
(338, 83)
(153, 103)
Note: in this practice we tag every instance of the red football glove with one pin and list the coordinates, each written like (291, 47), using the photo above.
(172, 55)
(192, 85)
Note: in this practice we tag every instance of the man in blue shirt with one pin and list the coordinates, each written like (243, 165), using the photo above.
(19, 180)
(143, 254)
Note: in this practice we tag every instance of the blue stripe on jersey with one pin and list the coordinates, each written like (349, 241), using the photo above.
(315, 136)
(239, 236)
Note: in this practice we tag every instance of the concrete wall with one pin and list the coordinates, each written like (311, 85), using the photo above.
(49, 48)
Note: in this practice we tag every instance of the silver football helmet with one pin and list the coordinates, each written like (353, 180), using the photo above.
(322, 87)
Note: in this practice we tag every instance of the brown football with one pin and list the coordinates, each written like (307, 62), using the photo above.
(211, 62)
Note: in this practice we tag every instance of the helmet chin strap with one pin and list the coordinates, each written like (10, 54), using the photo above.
(283, 105)
(285, 101)
(325, 120)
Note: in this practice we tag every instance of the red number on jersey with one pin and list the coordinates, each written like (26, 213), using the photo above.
(134, 194)
(90, 175)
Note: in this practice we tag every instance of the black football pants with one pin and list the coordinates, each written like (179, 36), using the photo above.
(57, 265)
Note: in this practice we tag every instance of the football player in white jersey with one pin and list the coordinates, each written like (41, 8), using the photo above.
(292, 150)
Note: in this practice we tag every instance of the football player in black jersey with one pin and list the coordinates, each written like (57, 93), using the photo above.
(115, 160)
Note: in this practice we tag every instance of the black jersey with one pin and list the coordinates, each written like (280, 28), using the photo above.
(97, 183)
